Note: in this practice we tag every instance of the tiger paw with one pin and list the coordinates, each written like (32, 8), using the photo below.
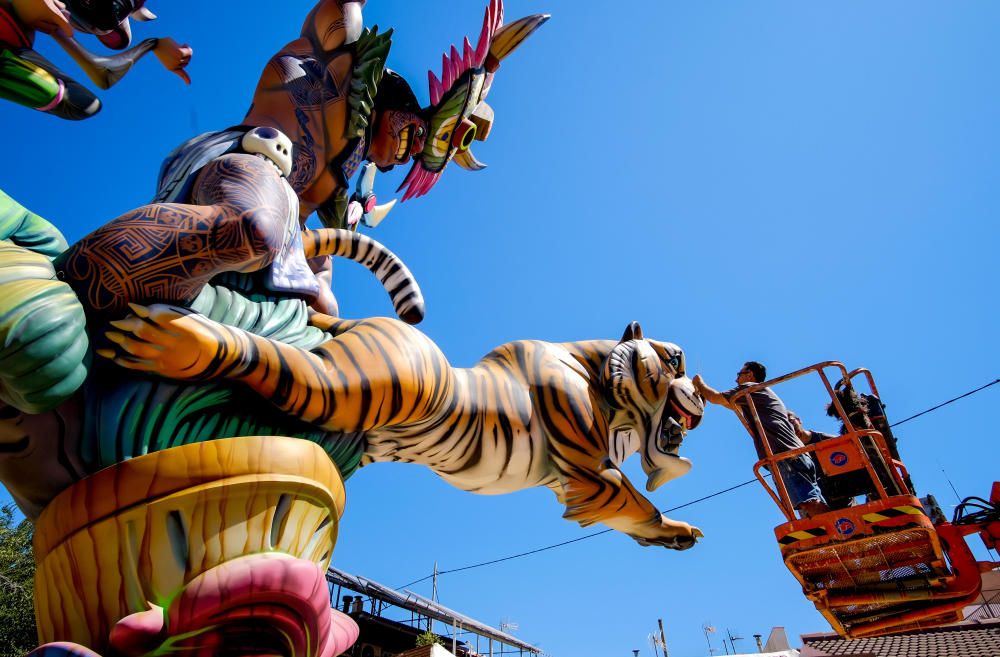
(166, 340)
(671, 534)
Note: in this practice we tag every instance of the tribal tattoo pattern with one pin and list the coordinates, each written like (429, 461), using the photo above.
(169, 251)
(306, 161)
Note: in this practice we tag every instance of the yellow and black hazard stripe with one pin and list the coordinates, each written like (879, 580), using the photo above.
(892, 512)
(802, 535)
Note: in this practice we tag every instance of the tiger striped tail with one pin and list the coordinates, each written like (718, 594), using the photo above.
(388, 268)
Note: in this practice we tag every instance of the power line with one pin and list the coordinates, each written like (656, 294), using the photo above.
(573, 540)
(934, 408)
(686, 504)
(513, 556)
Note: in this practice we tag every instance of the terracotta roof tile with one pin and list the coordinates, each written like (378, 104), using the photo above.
(980, 640)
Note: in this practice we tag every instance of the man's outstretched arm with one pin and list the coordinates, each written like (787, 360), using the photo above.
(710, 393)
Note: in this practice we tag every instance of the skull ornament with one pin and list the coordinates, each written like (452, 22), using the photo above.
(272, 144)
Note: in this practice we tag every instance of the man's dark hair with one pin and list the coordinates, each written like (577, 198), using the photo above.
(758, 371)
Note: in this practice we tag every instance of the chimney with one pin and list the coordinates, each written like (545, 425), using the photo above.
(347, 603)
(777, 640)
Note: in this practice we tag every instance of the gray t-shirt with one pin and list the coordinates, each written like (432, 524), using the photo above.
(773, 418)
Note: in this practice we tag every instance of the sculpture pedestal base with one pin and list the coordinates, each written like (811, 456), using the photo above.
(216, 548)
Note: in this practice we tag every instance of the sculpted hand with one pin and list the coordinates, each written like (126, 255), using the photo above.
(668, 533)
(174, 56)
(172, 342)
(47, 16)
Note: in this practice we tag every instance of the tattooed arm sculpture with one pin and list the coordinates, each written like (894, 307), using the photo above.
(29, 79)
(529, 414)
(242, 219)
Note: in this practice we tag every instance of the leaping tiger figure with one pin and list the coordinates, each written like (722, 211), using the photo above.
(529, 414)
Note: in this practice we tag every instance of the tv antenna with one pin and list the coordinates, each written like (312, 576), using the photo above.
(709, 629)
(654, 642)
(732, 640)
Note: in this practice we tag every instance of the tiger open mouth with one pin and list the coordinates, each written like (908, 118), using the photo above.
(674, 425)
(670, 435)
(661, 459)
(405, 139)
(687, 421)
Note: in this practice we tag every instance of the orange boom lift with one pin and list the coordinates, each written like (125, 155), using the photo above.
(892, 564)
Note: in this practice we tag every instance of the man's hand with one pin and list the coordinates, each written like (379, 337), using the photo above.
(709, 393)
(174, 56)
(48, 16)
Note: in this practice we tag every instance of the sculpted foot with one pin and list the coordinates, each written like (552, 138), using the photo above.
(671, 534)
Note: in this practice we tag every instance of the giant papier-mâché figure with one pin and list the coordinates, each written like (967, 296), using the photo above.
(192, 506)
(324, 104)
(29, 79)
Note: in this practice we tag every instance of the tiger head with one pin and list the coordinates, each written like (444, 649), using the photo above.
(653, 404)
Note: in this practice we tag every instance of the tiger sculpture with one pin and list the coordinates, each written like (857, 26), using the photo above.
(529, 414)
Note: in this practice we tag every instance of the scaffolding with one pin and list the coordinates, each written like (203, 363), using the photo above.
(381, 599)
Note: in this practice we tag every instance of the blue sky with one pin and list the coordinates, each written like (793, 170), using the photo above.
(773, 180)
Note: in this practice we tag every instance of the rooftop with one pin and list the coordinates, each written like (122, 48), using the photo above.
(962, 640)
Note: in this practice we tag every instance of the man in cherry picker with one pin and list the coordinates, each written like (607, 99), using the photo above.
(807, 436)
(799, 474)
(834, 500)
(855, 407)
(875, 410)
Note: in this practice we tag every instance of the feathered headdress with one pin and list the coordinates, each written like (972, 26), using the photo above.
(458, 114)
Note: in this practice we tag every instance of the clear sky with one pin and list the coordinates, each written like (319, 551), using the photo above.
(782, 181)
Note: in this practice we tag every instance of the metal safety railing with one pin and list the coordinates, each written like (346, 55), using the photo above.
(888, 475)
